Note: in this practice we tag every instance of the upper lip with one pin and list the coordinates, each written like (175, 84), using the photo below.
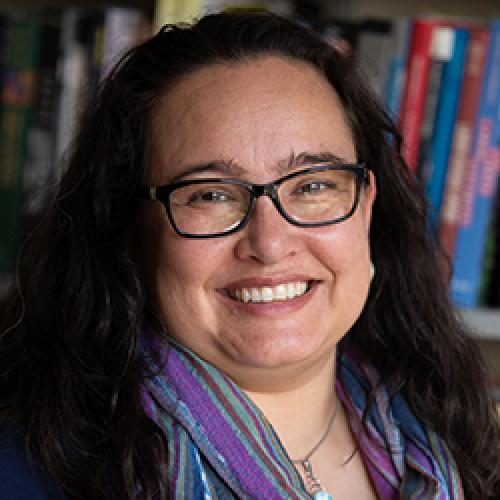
(261, 281)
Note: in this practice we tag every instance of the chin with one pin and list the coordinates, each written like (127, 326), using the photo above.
(271, 354)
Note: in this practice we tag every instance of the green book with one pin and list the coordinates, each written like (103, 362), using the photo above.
(19, 80)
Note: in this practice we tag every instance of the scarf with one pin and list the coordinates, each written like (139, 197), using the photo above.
(219, 446)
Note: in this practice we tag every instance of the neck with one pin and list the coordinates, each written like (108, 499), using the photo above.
(300, 413)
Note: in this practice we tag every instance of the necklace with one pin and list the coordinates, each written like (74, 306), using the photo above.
(313, 484)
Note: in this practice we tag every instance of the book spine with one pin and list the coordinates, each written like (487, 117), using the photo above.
(72, 74)
(491, 275)
(17, 97)
(175, 11)
(374, 53)
(91, 38)
(443, 39)
(3, 44)
(415, 90)
(445, 122)
(479, 195)
(452, 204)
(488, 270)
(397, 68)
(122, 28)
(39, 163)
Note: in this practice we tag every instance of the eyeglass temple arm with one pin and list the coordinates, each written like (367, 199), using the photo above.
(148, 193)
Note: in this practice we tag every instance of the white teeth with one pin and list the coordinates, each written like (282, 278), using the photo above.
(266, 294)
(245, 295)
(269, 294)
(280, 292)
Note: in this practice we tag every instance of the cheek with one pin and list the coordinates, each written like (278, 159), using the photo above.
(184, 277)
(345, 252)
(345, 247)
(191, 262)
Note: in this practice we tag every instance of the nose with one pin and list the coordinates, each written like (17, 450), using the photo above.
(268, 238)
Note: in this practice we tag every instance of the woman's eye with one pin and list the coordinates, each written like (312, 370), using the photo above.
(210, 197)
(316, 187)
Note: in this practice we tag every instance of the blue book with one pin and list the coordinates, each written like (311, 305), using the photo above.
(480, 184)
(446, 113)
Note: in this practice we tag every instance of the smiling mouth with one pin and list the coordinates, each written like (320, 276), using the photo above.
(281, 292)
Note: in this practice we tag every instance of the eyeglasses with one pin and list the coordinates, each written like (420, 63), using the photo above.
(208, 208)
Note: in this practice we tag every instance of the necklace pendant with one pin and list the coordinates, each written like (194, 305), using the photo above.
(322, 495)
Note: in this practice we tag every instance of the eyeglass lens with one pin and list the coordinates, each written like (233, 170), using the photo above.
(314, 197)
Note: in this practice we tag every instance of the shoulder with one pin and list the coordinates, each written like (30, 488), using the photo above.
(20, 479)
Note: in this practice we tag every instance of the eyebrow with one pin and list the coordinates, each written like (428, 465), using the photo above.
(306, 158)
(233, 169)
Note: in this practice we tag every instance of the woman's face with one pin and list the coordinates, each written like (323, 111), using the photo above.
(254, 116)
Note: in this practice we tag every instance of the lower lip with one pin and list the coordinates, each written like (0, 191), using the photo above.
(275, 308)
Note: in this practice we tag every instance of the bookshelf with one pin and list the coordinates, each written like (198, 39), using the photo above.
(146, 4)
(484, 323)
(398, 8)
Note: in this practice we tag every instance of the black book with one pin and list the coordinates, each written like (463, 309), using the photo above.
(38, 172)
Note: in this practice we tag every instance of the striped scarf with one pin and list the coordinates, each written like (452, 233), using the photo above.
(220, 447)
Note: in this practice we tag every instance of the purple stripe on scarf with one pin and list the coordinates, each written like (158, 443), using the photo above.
(382, 486)
(219, 432)
(219, 395)
(262, 434)
(378, 462)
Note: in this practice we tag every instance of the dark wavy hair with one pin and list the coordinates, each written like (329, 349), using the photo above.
(69, 352)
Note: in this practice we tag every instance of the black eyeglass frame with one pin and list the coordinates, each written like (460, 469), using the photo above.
(162, 194)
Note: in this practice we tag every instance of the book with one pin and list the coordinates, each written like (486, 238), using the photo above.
(72, 77)
(415, 89)
(397, 67)
(176, 11)
(122, 30)
(441, 52)
(3, 52)
(340, 34)
(91, 38)
(21, 38)
(451, 86)
(452, 205)
(488, 291)
(39, 162)
(374, 50)
(481, 184)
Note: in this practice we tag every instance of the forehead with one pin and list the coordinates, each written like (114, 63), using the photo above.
(255, 113)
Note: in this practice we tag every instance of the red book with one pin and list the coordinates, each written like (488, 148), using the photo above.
(456, 178)
(415, 90)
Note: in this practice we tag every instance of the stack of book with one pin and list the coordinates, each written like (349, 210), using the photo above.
(440, 81)
(51, 61)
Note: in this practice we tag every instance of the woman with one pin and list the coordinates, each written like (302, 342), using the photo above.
(233, 294)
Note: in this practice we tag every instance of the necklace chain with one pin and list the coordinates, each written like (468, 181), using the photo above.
(313, 483)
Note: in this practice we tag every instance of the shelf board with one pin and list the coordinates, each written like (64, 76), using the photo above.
(396, 8)
(483, 323)
(146, 4)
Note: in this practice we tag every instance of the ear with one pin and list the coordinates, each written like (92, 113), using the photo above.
(368, 198)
